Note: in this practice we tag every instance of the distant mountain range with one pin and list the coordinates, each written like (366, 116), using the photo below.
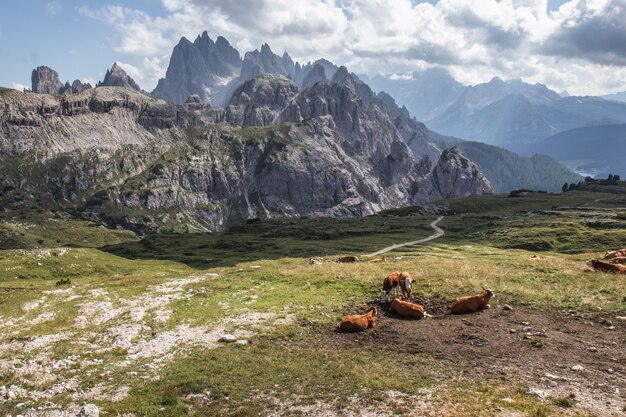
(590, 150)
(617, 96)
(525, 118)
(279, 138)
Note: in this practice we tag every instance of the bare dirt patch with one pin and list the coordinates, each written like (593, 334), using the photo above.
(557, 354)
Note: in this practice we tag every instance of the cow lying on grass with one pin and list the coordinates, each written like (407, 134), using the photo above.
(393, 281)
(606, 267)
(471, 303)
(359, 322)
(618, 260)
(347, 259)
(614, 254)
(406, 309)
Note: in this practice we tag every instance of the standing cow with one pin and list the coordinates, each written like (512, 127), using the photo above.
(397, 279)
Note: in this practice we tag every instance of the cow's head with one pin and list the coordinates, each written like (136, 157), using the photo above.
(489, 293)
(590, 262)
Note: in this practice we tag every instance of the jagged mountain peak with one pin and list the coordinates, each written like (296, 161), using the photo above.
(316, 75)
(117, 77)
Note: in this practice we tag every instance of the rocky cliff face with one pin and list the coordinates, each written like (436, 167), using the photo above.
(203, 68)
(45, 80)
(456, 176)
(259, 101)
(315, 75)
(117, 77)
(134, 161)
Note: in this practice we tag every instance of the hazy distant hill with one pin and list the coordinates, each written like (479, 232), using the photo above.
(425, 94)
(617, 96)
(595, 150)
(514, 113)
(508, 171)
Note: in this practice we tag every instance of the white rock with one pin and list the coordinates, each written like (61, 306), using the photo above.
(241, 342)
(228, 338)
(89, 410)
(552, 383)
(554, 377)
(577, 368)
(507, 307)
(507, 400)
(541, 394)
(610, 370)
(592, 349)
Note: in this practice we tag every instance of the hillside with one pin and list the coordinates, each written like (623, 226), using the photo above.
(517, 115)
(141, 163)
(593, 150)
(213, 324)
(508, 171)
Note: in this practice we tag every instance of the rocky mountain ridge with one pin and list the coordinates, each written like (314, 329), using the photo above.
(117, 77)
(45, 80)
(143, 163)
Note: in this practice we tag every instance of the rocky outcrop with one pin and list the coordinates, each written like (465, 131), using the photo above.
(316, 75)
(45, 80)
(456, 176)
(117, 77)
(259, 101)
(265, 62)
(203, 68)
(332, 149)
(301, 71)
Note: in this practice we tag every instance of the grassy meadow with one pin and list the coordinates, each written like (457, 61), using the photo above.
(92, 315)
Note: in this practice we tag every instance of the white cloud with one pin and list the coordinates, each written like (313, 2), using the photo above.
(19, 86)
(53, 8)
(475, 40)
(89, 80)
(135, 73)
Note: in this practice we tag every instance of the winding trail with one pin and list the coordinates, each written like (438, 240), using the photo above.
(438, 233)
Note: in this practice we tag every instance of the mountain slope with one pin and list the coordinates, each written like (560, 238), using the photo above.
(590, 150)
(515, 114)
(425, 94)
(138, 162)
(203, 68)
(508, 171)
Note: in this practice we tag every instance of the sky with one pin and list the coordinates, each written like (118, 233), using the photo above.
(578, 46)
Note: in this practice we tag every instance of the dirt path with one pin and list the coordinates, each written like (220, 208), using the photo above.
(438, 233)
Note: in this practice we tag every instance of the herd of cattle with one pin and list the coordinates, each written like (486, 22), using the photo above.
(401, 305)
(613, 261)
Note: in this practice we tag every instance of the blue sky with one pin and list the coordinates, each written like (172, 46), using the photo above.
(473, 39)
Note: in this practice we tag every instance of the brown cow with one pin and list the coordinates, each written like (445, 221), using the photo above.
(394, 280)
(618, 260)
(471, 304)
(359, 322)
(378, 260)
(347, 259)
(614, 254)
(606, 267)
(406, 309)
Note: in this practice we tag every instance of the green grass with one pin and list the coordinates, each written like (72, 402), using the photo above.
(231, 374)
(261, 267)
(275, 239)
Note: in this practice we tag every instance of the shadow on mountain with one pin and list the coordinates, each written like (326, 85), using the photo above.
(275, 239)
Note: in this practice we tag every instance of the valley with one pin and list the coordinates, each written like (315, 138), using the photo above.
(238, 322)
